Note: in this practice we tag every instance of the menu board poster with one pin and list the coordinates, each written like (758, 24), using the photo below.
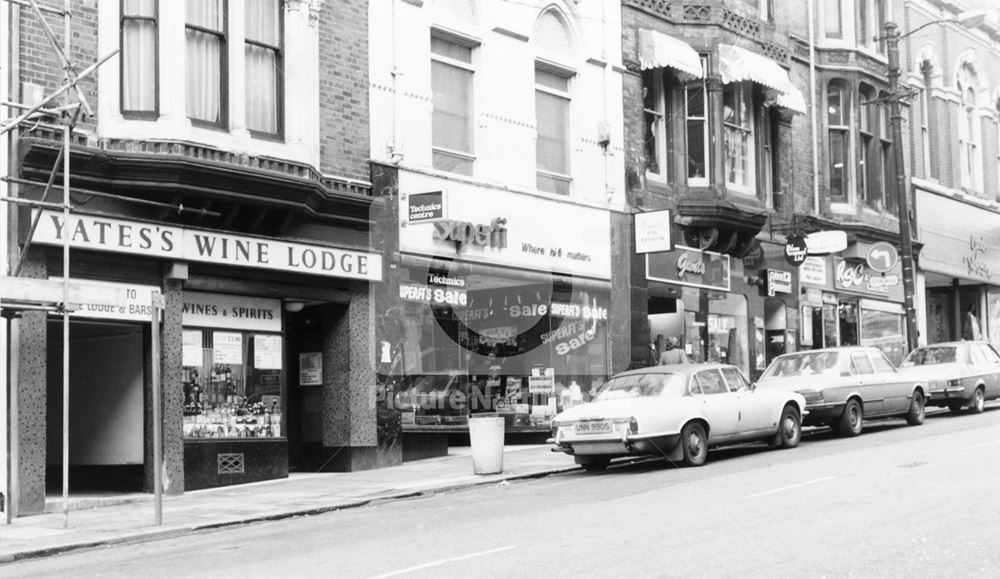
(227, 348)
(311, 369)
(266, 352)
(191, 348)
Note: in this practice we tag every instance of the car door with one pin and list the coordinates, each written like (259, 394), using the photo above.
(871, 386)
(719, 405)
(756, 407)
(897, 388)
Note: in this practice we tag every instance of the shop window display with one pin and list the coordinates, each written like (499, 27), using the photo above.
(885, 331)
(522, 349)
(233, 384)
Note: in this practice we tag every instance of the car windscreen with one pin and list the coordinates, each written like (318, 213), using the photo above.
(643, 386)
(930, 355)
(802, 364)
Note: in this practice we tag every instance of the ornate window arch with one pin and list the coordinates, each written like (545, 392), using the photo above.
(968, 83)
(555, 48)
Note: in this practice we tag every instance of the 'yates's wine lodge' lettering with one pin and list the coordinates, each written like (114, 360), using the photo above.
(115, 235)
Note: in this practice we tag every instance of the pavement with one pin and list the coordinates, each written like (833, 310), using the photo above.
(99, 520)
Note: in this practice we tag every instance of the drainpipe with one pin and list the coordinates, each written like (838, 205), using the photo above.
(814, 108)
(5, 463)
(395, 147)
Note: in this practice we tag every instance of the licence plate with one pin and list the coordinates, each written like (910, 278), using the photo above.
(597, 427)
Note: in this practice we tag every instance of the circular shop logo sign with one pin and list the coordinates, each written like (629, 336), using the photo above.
(795, 250)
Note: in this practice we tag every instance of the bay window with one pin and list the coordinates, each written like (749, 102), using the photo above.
(838, 134)
(139, 26)
(205, 34)
(552, 107)
(452, 118)
(695, 110)
(653, 115)
(737, 121)
(867, 153)
(264, 66)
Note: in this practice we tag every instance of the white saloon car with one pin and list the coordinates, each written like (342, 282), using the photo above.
(957, 374)
(678, 412)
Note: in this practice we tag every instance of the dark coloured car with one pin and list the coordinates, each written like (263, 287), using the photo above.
(843, 386)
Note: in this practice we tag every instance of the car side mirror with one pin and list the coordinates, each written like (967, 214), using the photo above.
(752, 386)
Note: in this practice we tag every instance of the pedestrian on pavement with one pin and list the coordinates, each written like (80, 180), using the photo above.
(673, 354)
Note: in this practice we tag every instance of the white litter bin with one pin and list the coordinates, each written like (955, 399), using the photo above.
(486, 439)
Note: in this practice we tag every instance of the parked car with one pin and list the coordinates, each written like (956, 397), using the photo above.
(843, 386)
(957, 374)
(677, 411)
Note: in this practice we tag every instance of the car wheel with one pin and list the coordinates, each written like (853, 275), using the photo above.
(956, 406)
(978, 400)
(850, 421)
(694, 443)
(917, 411)
(591, 464)
(789, 429)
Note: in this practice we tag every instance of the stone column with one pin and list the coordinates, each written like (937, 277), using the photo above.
(349, 416)
(29, 400)
(717, 139)
(172, 391)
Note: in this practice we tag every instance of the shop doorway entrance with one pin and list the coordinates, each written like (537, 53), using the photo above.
(106, 434)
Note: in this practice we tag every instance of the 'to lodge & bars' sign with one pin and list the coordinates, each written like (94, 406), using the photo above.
(184, 244)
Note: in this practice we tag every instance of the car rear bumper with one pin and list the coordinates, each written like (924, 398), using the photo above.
(820, 413)
(943, 396)
(657, 444)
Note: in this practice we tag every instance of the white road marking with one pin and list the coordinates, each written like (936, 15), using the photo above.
(778, 490)
(984, 444)
(442, 562)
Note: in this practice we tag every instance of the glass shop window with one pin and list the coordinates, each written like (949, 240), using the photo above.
(233, 384)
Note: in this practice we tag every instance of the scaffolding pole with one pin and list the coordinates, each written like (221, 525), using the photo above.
(62, 49)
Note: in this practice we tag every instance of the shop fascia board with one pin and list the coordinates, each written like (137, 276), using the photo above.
(23, 291)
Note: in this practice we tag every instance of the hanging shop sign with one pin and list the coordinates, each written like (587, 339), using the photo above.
(796, 250)
(652, 231)
(826, 242)
(778, 281)
(505, 229)
(425, 207)
(755, 258)
(216, 247)
(813, 271)
(858, 277)
(228, 311)
(882, 257)
(690, 267)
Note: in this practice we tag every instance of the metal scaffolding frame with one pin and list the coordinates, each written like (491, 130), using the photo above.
(60, 118)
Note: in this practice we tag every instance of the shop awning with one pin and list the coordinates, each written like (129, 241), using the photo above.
(739, 64)
(657, 50)
(792, 100)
